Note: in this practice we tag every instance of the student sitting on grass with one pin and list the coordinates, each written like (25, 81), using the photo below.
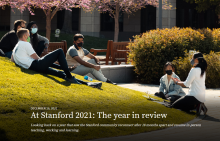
(75, 55)
(38, 42)
(25, 56)
(172, 91)
(10, 39)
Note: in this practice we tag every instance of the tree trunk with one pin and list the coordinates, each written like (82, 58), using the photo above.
(48, 24)
(116, 22)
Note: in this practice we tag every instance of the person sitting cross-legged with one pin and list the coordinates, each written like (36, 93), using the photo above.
(172, 91)
(24, 55)
(75, 55)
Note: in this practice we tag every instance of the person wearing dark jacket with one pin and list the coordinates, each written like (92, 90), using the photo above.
(10, 39)
(38, 42)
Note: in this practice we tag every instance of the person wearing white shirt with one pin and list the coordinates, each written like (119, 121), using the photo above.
(196, 83)
(25, 56)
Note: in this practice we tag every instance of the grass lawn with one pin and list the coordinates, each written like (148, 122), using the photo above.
(21, 89)
(89, 41)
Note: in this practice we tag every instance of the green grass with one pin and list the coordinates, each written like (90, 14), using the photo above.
(89, 41)
(21, 89)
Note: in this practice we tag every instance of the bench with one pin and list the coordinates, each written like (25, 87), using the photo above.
(108, 52)
(119, 52)
(56, 45)
(116, 52)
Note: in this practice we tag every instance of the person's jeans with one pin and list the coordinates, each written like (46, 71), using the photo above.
(43, 64)
(8, 54)
(173, 98)
(83, 70)
(186, 103)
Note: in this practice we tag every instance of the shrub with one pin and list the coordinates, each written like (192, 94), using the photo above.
(151, 50)
(211, 42)
(183, 67)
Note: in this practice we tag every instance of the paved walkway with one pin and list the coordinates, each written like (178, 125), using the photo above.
(210, 125)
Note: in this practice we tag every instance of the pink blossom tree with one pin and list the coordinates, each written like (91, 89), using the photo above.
(114, 7)
(50, 7)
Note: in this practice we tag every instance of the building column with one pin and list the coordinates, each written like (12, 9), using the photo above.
(90, 23)
(168, 16)
(17, 15)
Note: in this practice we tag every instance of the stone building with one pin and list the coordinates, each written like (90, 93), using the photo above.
(102, 25)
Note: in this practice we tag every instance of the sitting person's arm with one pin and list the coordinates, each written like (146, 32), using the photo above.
(12, 59)
(35, 56)
(87, 64)
(161, 87)
(177, 88)
(30, 51)
(73, 53)
(178, 82)
(46, 42)
(91, 56)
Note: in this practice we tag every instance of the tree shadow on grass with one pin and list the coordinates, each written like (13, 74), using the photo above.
(3, 136)
(190, 112)
(65, 83)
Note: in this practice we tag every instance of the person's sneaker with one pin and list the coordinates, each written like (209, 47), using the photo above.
(95, 84)
(2, 53)
(72, 80)
(109, 81)
(204, 108)
(198, 109)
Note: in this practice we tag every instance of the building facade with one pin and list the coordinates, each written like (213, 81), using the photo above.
(102, 25)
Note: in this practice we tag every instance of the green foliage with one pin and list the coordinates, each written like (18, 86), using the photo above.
(203, 5)
(183, 67)
(150, 51)
(21, 89)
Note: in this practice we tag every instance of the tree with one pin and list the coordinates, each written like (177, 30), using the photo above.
(203, 5)
(114, 7)
(50, 7)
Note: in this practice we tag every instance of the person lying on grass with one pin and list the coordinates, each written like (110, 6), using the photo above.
(24, 55)
(172, 91)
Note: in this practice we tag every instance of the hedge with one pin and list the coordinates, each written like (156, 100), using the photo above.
(183, 67)
(151, 50)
